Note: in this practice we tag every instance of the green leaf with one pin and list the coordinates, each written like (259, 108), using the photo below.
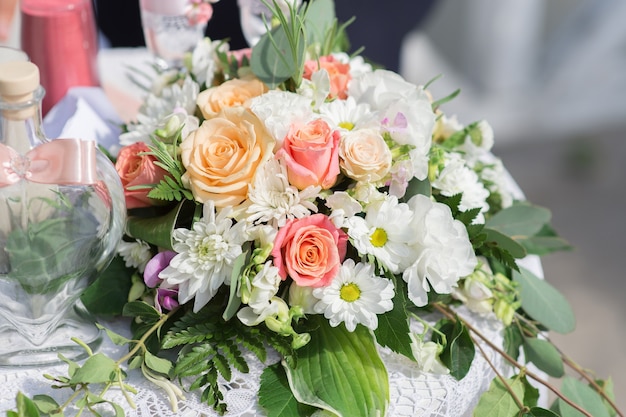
(543, 245)
(497, 401)
(417, 187)
(233, 300)
(607, 387)
(108, 294)
(158, 230)
(116, 338)
(459, 352)
(540, 412)
(319, 19)
(545, 356)
(276, 397)
(531, 394)
(519, 221)
(513, 341)
(582, 395)
(393, 327)
(544, 303)
(503, 241)
(141, 309)
(26, 407)
(341, 372)
(157, 364)
(97, 369)
(45, 403)
(278, 55)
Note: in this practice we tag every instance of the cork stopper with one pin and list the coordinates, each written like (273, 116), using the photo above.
(18, 80)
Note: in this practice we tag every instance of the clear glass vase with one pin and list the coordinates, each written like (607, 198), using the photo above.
(62, 214)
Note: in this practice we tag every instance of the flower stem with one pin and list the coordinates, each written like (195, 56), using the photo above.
(447, 312)
(140, 344)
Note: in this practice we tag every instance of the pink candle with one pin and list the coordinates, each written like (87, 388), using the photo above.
(60, 37)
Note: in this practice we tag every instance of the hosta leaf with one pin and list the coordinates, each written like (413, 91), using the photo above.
(544, 303)
(276, 397)
(341, 371)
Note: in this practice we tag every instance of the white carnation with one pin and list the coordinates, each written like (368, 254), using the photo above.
(444, 252)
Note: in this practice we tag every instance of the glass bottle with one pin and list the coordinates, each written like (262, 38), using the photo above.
(61, 216)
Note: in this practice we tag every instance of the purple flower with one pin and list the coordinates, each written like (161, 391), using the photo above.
(154, 267)
(166, 298)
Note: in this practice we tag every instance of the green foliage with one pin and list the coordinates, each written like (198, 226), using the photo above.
(544, 355)
(340, 371)
(544, 303)
(109, 293)
(170, 188)
(512, 341)
(582, 395)
(276, 397)
(458, 352)
(497, 401)
(393, 327)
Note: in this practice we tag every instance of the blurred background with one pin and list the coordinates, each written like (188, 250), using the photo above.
(550, 77)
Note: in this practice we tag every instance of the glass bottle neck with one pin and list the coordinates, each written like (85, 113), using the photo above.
(21, 123)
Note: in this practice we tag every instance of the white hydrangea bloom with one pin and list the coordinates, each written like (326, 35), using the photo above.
(380, 88)
(205, 258)
(273, 200)
(355, 296)
(135, 254)
(444, 252)
(385, 233)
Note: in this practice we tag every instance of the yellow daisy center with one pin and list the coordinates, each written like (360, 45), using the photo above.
(379, 238)
(346, 125)
(350, 292)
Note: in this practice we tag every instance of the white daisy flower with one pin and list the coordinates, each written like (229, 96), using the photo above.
(384, 233)
(273, 200)
(135, 254)
(206, 254)
(347, 115)
(355, 296)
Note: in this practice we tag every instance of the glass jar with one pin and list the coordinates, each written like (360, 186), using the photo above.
(62, 214)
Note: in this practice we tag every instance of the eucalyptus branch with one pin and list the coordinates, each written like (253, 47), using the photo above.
(502, 379)
(447, 312)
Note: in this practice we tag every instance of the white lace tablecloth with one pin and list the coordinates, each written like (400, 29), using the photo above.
(412, 392)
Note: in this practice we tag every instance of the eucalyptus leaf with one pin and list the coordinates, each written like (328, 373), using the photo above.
(505, 242)
(544, 303)
(341, 372)
(519, 221)
(96, 369)
(582, 395)
(545, 356)
(497, 400)
(273, 61)
(319, 19)
(276, 397)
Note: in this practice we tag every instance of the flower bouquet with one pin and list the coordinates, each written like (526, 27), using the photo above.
(296, 199)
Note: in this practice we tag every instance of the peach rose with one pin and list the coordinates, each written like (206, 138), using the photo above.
(364, 155)
(222, 156)
(232, 93)
(338, 72)
(136, 168)
(309, 250)
(311, 153)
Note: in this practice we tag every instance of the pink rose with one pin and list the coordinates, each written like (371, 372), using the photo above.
(309, 250)
(135, 168)
(311, 153)
(338, 72)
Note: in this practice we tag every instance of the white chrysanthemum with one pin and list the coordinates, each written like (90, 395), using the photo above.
(273, 200)
(205, 258)
(455, 178)
(135, 254)
(444, 252)
(204, 61)
(347, 115)
(385, 233)
(279, 110)
(155, 110)
(355, 296)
